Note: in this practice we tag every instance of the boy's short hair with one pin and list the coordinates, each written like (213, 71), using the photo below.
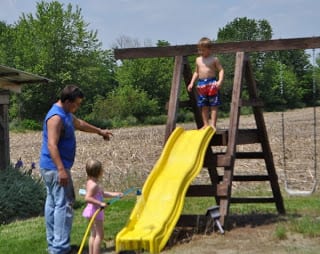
(205, 42)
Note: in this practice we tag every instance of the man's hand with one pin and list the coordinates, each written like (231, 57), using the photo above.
(63, 177)
(106, 134)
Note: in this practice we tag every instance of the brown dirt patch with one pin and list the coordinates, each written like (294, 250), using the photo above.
(132, 152)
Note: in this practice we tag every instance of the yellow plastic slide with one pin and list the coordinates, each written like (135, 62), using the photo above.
(158, 209)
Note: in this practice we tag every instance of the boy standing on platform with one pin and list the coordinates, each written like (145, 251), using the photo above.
(208, 86)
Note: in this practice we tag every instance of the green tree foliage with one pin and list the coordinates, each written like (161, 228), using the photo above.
(244, 29)
(151, 75)
(316, 77)
(5, 43)
(127, 105)
(289, 69)
(57, 44)
(241, 29)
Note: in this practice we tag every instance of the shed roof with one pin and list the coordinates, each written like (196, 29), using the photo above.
(12, 79)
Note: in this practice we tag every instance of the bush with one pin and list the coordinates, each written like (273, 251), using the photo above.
(31, 125)
(101, 123)
(26, 124)
(127, 104)
(21, 196)
(155, 120)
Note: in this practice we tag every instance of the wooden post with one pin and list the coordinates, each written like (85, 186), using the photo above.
(232, 135)
(187, 74)
(174, 96)
(4, 130)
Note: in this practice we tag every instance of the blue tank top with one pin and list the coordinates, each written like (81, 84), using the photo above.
(66, 144)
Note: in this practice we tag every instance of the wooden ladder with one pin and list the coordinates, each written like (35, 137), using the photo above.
(221, 185)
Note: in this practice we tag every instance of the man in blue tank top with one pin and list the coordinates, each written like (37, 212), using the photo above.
(56, 159)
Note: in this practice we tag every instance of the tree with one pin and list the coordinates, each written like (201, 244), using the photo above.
(241, 29)
(266, 65)
(125, 104)
(6, 41)
(57, 44)
(152, 75)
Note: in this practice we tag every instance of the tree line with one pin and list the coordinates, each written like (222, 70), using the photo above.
(56, 43)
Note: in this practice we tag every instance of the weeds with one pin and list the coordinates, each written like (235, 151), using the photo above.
(281, 232)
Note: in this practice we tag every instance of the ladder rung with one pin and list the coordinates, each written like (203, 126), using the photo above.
(245, 136)
(250, 155)
(252, 200)
(201, 191)
(251, 178)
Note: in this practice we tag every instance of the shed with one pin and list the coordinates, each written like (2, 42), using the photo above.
(11, 79)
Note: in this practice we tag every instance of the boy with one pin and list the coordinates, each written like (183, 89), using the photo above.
(208, 86)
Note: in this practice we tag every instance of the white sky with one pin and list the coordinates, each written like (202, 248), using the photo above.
(181, 21)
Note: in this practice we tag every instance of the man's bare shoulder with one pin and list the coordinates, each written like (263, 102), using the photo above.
(55, 121)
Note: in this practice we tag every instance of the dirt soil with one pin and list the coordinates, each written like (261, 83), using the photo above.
(132, 152)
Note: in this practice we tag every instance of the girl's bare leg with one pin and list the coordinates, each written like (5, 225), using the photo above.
(98, 225)
(91, 239)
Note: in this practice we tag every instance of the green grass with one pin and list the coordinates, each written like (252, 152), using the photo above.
(28, 236)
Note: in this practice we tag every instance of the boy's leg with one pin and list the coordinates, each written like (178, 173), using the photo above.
(214, 116)
(205, 116)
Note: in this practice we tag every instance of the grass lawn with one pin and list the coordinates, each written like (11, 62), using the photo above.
(28, 236)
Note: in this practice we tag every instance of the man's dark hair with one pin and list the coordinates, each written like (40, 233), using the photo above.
(71, 93)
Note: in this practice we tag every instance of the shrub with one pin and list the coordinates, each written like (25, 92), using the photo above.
(125, 103)
(281, 232)
(26, 124)
(154, 120)
(21, 196)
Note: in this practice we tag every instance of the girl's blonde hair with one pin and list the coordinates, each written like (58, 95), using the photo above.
(94, 168)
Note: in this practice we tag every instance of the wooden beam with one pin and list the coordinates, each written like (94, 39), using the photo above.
(247, 200)
(10, 86)
(227, 47)
(9, 74)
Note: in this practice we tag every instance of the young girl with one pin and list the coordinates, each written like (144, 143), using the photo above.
(94, 198)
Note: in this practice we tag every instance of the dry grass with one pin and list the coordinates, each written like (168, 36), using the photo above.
(132, 153)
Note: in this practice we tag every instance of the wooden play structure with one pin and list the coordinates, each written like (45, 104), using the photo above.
(221, 185)
(11, 80)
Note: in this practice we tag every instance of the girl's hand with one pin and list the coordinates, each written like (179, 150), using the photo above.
(119, 194)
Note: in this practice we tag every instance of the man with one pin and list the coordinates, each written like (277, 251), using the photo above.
(56, 159)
